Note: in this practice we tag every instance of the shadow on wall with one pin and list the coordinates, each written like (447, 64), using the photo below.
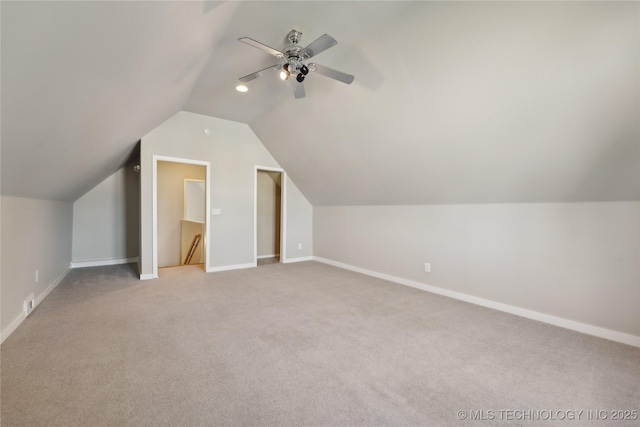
(132, 202)
(615, 171)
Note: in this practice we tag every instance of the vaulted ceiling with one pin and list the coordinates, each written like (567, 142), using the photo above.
(453, 102)
(82, 82)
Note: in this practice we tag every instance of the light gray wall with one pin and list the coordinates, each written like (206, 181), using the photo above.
(171, 178)
(233, 151)
(106, 219)
(578, 261)
(299, 223)
(268, 210)
(36, 235)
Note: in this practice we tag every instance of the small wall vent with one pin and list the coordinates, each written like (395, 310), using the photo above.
(29, 304)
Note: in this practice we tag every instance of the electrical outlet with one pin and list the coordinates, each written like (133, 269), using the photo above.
(37, 275)
(299, 246)
(427, 267)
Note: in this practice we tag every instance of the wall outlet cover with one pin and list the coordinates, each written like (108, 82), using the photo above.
(29, 304)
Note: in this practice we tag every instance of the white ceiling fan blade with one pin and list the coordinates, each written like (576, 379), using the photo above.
(321, 44)
(260, 73)
(330, 72)
(261, 46)
(298, 90)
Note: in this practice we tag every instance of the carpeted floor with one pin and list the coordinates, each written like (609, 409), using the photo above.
(297, 345)
(267, 261)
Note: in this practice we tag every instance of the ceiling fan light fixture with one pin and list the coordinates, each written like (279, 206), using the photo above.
(284, 74)
(300, 77)
(242, 88)
(304, 70)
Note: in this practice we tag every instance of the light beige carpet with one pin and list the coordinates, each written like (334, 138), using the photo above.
(266, 261)
(295, 345)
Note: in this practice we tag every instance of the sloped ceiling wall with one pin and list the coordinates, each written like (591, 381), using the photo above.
(453, 102)
(83, 81)
(473, 103)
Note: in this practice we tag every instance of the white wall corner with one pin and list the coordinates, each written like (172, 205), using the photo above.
(148, 276)
(584, 328)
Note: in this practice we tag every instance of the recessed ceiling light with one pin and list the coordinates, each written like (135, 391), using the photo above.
(242, 88)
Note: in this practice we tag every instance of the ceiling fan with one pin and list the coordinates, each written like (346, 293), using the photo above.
(294, 57)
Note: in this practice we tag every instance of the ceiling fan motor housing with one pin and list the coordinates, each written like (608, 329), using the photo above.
(294, 36)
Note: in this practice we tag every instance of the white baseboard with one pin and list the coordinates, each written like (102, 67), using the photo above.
(230, 267)
(518, 311)
(21, 317)
(267, 256)
(148, 276)
(299, 259)
(52, 286)
(12, 326)
(101, 262)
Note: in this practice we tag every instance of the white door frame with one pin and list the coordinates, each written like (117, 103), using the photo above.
(207, 228)
(283, 211)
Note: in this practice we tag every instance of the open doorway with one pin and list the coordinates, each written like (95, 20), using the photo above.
(181, 204)
(269, 215)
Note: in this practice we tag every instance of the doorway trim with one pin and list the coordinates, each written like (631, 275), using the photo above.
(207, 227)
(283, 211)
